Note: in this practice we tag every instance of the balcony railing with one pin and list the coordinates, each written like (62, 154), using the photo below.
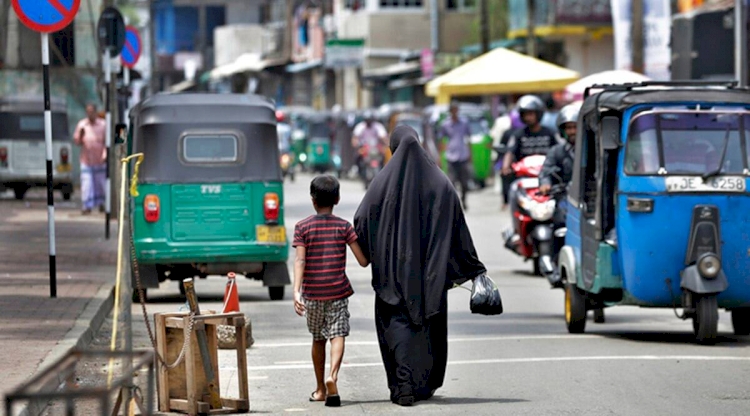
(560, 12)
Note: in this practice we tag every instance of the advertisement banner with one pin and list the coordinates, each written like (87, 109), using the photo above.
(587, 12)
(344, 53)
(657, 21)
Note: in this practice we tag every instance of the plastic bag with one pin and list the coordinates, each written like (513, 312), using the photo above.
(485, 297)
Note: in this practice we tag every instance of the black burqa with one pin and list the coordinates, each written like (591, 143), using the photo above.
(411, 226)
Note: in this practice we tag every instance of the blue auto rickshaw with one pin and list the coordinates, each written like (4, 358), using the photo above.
(658, 210)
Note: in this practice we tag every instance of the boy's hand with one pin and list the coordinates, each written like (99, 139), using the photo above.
(299, 305)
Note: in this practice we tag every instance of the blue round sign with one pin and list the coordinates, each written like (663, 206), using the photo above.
(46, 15)
(131, 51)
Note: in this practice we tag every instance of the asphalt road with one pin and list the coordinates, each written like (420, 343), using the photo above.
(640, 362)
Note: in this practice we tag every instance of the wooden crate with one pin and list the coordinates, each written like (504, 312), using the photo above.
(185, 388)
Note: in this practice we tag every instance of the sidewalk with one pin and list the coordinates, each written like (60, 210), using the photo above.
(35, 329)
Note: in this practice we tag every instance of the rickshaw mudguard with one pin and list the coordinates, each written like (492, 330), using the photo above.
(691, 279)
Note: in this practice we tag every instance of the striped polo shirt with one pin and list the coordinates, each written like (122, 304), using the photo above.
(325, 238)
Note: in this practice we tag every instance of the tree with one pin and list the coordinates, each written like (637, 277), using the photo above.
(497, 22)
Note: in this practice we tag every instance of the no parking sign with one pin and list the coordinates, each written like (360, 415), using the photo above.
(46, 16)
(131, 51)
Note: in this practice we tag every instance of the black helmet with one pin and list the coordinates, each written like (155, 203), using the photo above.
(531, 103)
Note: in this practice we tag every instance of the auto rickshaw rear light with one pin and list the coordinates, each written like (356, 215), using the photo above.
(64, 156)
(151, 209)
(3, 157)
(271, 207)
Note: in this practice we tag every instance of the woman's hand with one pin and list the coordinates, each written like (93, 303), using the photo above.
(299, 304)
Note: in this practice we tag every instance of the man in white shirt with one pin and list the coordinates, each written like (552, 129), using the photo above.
(368, 132)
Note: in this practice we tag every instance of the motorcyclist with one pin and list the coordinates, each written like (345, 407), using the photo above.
(533, 138)
(557, 171)
(371, 133)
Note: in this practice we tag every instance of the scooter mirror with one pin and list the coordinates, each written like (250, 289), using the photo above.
(560, 232)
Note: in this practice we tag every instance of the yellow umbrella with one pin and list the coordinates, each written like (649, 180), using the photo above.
(500, 71)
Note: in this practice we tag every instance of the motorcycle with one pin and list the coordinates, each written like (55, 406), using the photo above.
(287, 165)
(372, 158)
(531, 235)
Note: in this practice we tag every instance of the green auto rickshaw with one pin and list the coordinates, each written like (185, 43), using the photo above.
(320, 151)
(210, 193)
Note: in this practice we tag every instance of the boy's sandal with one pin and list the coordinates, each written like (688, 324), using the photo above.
(313, 399)
(334, 400)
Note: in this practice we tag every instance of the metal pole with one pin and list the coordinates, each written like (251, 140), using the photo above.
(530, 27)
(48, 143)
(152, 46)
(108, 121)
(636, 36)
(740, 42)
(434, 27)
(485, 27)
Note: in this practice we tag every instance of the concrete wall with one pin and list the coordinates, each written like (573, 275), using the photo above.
(454, 30)
(589, 56)
(232, 41)
(243, 11)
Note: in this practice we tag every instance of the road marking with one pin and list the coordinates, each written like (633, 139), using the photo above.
(533, 360)
(476, 339)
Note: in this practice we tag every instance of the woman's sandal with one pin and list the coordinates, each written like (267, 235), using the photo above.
(313, 399)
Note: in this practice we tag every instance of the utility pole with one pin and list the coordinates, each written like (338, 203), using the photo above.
(636, 36)
(152, 46)
(484, 26)
(4, 12)
(740, 42)
(530, 26)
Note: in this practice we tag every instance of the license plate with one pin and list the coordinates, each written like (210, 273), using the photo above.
(697, 184)
(270, 234)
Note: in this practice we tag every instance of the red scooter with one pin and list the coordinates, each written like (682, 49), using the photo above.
(531, 235)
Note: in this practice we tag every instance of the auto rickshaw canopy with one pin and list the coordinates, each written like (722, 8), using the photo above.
(500, 71)
(163, 123)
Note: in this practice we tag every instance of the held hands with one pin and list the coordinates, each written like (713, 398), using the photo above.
(299, 305)
(506, 170)
(544, 189)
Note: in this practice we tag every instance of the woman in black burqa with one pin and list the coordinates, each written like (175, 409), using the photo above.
(411, 226)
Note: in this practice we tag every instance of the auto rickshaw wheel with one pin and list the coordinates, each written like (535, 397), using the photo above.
(741, 321)
(706, 318)
(276, 292)
(575, 309)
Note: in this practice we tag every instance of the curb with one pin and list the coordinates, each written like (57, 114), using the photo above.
(79, 336)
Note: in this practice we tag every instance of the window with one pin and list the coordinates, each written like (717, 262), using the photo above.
(31, 123)
(400, 3)
(210, 148)
(460, 4)
(686, 143)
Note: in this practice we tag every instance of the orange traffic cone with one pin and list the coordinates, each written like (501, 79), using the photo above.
(231, 297)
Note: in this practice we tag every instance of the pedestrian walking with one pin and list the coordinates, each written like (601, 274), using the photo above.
(411, 227)
(457, 153)
(90, 135)
(321, 287)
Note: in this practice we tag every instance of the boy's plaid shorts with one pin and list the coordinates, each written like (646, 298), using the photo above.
(327, 319)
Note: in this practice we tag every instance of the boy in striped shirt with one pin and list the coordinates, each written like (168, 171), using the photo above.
(321, 287)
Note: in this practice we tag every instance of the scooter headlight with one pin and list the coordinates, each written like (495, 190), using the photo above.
(709, 265)
(539, 211)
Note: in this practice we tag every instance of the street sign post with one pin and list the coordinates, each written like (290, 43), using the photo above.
(131, 53)
(111, 35)
(47, 16)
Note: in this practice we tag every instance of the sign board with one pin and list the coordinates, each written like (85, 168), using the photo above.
(344, 53)
(111, 31)
(427, 63)
(657, 25)
(46, 16)
(585, 12)
(131, 50)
